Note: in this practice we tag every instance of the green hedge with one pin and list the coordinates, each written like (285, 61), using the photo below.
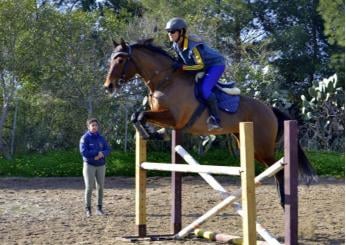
(69, 163)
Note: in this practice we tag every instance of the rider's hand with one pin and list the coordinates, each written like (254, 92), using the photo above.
(177, 66)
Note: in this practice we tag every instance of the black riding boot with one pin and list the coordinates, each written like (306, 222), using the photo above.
(213, 120)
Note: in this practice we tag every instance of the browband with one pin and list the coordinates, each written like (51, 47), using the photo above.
(116, 54)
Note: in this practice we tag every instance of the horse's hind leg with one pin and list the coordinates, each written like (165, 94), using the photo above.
(279, 177)
(264, 142)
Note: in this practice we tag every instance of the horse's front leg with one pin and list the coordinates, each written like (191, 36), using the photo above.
(159, 118)
(143, 131)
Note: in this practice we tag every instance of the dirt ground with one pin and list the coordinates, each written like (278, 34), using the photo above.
(50, 211)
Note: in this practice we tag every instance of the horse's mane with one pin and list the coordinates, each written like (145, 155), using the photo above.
(148, 44)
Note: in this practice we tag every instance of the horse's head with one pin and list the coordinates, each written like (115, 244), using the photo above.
(121, 68)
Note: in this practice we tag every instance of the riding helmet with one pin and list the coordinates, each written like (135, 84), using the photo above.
(176, 23)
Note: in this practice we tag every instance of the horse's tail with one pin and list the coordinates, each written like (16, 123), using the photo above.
(306, 171)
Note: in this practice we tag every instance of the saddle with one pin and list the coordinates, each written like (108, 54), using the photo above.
(227, 95)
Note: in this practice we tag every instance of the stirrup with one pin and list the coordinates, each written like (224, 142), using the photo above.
(213, 124)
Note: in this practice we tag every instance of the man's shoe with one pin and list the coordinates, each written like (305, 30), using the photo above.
(87, 212)
(99, 211)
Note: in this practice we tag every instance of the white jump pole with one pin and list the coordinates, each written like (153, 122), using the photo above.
(207, 177)
(228, 200)
(191, 169)
(224, 193)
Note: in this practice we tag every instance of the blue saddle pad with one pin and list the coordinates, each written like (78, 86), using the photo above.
(226, 102)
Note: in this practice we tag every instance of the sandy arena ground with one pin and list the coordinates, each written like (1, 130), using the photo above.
(50, 211)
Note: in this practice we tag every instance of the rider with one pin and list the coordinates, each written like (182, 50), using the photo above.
(196, 55)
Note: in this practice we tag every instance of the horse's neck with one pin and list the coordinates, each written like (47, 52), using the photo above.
(153, 68)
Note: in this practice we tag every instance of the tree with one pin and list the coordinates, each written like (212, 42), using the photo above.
(16, 38)
(297, 39)
(333, 15)
(117, 6)
(74, 47)
(58, 60)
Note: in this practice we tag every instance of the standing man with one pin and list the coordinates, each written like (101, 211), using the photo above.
(94, 149)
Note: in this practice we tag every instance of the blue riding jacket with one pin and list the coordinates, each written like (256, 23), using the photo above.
(197, 55)
(90, 145)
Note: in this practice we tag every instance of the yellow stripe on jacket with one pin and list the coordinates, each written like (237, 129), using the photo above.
(198, 60)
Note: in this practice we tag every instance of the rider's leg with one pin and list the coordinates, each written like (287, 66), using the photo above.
(213, 120)
(208, 82)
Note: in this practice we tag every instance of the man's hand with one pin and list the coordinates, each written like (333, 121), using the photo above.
(99, 156)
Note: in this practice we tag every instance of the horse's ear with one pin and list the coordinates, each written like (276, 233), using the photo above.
(123, 43)
(114, 43)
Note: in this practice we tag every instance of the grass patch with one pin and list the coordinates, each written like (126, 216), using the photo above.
(69, 163)
(328, 163)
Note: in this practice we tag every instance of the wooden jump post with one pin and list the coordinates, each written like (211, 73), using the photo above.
(291, 181)
(141, 185)
(176, 184)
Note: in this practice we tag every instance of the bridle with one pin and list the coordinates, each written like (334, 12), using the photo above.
(129, 58)
(127, 61)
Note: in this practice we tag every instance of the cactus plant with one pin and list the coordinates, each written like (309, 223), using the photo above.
(324, 113)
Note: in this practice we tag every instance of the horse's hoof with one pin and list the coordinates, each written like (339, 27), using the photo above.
(145, 135)
(164, 134)
(140, 117)
(142, 131)
(134, 117)
(156, 136)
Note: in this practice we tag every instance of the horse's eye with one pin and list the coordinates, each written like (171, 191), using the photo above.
(120, 61)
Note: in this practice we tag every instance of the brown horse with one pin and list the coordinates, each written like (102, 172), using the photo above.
(172, 103)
